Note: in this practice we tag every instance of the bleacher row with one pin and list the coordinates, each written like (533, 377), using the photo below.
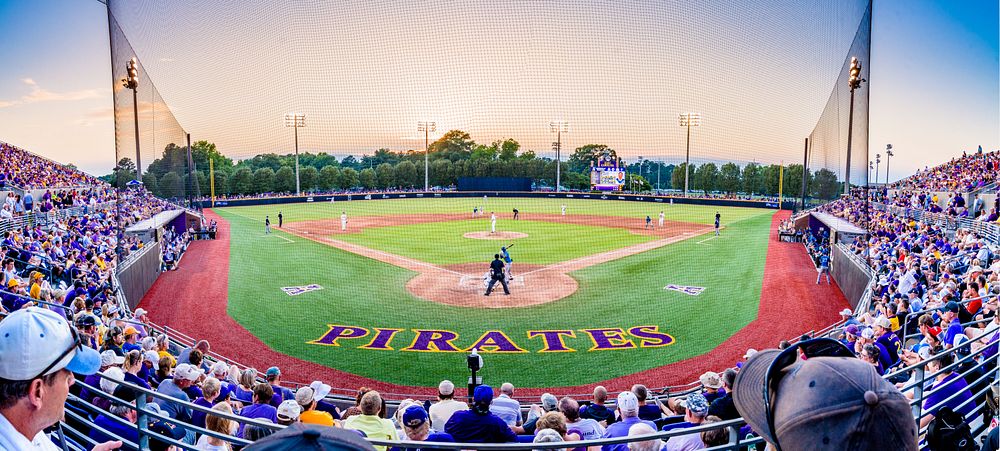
(931, 333)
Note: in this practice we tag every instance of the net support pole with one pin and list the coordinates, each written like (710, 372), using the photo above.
(192, 173)
(850, 135)
(805, 173)
(211, 179)
(781, 182)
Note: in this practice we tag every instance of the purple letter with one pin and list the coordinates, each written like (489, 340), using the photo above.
(553, 339)
(495, 341)
(604, 339)
(381, 339)
(433, 341)
(651, 337)
(337, 332)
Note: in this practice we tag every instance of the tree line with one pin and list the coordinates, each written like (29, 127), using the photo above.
(450, 157)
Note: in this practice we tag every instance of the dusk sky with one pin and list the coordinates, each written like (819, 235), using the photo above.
(619, 72)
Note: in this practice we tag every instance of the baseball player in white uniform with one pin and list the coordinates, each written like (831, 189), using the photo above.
(343, 221)
(493, 223)
(564, 210)
(661, 218)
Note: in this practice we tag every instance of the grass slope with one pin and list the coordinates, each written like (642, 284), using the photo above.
(623, 293)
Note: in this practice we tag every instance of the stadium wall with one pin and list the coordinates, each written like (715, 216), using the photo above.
(786, 205)
(494, 184)
(852, 278)
(137, 274)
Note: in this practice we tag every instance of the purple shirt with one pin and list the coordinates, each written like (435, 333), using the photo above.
(951, 384)
(258, 411)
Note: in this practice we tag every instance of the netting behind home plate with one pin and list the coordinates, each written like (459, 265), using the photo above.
(337, 101)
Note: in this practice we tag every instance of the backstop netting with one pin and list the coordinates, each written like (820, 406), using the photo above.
(330, 139)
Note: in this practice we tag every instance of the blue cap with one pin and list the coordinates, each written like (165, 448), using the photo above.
(482, 395)
(951, 306)
(273, 371)
(414, 416)
(697, 404)
(32, 337)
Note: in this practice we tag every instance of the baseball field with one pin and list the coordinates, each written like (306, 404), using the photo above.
(398, 296)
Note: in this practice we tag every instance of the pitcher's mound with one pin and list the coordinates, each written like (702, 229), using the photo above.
(495, 236)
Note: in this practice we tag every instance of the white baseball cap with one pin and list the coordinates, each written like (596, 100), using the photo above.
(846, 312)
(320, 390)
(113, 376)
(139, 312)
(152, 357)
(220, 368)
(627, 402)
(33, 340)
(289, 410)
(750, 352)
(446, 387)
(883, 322)
(188, 371)
(109, 358)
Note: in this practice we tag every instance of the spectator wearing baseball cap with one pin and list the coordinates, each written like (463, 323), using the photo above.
(695, 410)
(949, 320)
(446, 406)
(305, 397)
(288, 412)
(835, 403)
(369, 421)
(628, 412)
(185, 375)
(40, 354)
(549, 403)
(724, 407)
(868, 338)
(478, 424)
(417, 427)
(131, 339)
(320, 390)
(273, 376)
(888, 340)
(108, 359)
(847, 316)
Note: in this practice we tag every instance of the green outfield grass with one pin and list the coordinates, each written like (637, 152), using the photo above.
(502, 206)
(619, 294)
(442, 243)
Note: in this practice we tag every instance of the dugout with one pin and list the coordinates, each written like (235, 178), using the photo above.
(494, 184)
(841, 231)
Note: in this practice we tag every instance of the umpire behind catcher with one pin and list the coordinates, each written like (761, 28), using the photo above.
(497, 275)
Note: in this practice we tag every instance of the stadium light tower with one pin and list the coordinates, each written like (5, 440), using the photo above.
(888, 154)
(426, 127)
(688, 120)
(131, 81)
(853, 82)
(296, 120)
(558, 127)
(871, 167)
(878, 160)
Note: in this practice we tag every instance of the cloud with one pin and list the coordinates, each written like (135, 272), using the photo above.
(167, 60)
(39, 94)
(95, 116)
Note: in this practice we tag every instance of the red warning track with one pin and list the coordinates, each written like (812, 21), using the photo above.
(193, 300)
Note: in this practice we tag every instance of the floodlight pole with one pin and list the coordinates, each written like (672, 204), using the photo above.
(686, 120)
(559, 127)
(131, 81)
(888, 153)
(853, 82)
(296, 120)
(426, 127)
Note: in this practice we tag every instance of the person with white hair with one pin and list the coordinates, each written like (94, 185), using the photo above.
(505, 407)
(628, 411)
(640, 429)
(549, 404)
(446, 406)
(548, 436)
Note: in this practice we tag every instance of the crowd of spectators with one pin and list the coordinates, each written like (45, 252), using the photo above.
(964, 174)
(25, 170)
